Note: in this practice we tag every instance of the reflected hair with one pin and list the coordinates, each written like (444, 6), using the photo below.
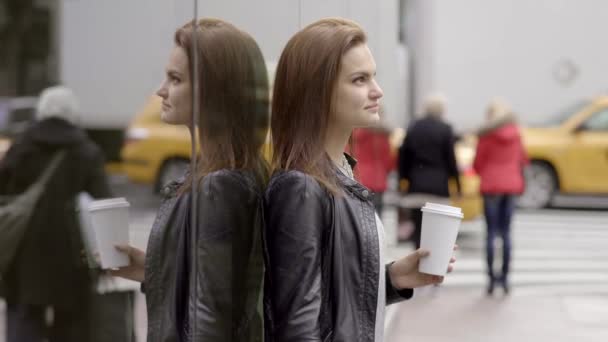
(58, 102)
(305, 80)
(234, 97)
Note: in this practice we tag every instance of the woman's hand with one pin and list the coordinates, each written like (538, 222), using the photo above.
(404, 272)
(135, 270)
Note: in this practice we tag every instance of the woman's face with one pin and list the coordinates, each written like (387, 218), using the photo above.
(176, 90)
(356, 98)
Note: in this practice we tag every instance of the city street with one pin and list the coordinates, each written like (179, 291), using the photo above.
(559, 286)
(461, 102)
(559, 280)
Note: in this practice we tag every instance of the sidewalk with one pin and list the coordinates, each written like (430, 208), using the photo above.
(444, 313)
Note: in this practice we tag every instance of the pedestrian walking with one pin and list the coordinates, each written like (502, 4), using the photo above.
(499, 162)
(375, 160)
(427, 161)
(48, 277)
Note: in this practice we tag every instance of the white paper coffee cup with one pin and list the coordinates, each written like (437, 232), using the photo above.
(440, 224)
(110, 222)
(86, 229)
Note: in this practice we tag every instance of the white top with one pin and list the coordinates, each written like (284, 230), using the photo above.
(381, 307)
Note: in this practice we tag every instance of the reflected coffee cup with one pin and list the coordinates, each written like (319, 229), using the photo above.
(110, 223)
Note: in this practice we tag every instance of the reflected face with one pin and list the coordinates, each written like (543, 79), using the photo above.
(176, 89)
(356, 98)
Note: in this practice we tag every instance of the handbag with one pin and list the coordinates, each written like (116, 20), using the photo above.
(17, 211)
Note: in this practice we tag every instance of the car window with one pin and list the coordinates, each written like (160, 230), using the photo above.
(4, 114)
(598, 122)
(17, 120)
(565, 113)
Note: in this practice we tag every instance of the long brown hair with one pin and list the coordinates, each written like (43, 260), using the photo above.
(305, 79)
(234, 97)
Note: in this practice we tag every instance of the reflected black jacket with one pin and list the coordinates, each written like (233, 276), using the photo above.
(322, 261)
(225, 304)
(48, 268)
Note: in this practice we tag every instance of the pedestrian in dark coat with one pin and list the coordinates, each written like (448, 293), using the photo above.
(48, 271)
(499, 161)
(427, 161)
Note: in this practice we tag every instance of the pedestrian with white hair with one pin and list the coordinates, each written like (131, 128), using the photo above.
(427, 161)
(500, 159)
(47, 274)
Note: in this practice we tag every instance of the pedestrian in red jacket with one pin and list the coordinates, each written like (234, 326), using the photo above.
(499, 161)
(374, 160)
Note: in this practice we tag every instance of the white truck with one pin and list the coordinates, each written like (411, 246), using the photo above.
(538, 55)
(113, 52)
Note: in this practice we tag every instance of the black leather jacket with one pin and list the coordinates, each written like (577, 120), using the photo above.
(322, 261)
(229, 263)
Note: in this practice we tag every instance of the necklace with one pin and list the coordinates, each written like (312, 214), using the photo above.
(346, 169)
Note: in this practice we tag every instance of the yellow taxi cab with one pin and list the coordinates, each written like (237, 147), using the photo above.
(5, 143)
(157, 153)
(154, 152)
(470, 201)
(568, 154)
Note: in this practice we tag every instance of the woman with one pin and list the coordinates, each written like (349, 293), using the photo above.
(499, 162)
(427, 161)
(221, 304)
(48, 273)
(325, 275)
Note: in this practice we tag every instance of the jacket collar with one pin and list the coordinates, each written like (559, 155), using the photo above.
(351, 185)
(171, 188)
(496, 123)
(55, 131)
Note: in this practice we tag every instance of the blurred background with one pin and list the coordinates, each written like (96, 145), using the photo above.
(545, 58)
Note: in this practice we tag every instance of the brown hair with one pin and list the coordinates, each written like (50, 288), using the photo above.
(234, 97)
(305, 79)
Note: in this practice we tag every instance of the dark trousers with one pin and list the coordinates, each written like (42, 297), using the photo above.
(498, 211)
(417, 220)
(107, 317)
(28, 323)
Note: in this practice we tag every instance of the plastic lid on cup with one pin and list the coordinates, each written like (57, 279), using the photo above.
(443, 209)
(110, 203)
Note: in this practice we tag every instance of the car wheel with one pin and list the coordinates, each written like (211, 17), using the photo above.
(541, 184)
(170, 171)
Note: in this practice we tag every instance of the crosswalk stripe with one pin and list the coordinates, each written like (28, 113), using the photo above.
(519, 265)
(554, 249)
(519, 278)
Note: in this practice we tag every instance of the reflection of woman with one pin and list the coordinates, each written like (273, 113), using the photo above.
(326, 279)
(229, 179)
(499, 161)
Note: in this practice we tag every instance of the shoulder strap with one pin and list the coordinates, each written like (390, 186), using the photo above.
(50, 169)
